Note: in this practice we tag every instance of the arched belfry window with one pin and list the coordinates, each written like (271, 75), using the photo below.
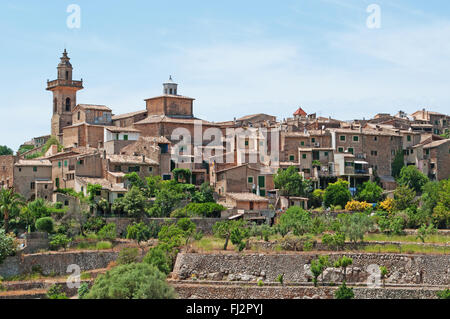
(55, 105)
(67, 75)
(68, 104)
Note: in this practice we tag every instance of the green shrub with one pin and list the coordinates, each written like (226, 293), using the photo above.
(59, 241)
(132, 281)
(344, 292)
(83, 290)
(128, 256)
(335, 241)
(443, 294)
(55, 292)
(280, 278)
(260, 283)
(45, 224)
(157, 257)
(7, 246)
(108, 232)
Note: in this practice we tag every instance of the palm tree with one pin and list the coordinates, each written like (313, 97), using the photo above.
(9, 201)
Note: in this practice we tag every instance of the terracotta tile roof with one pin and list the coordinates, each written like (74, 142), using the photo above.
(247, 197)
(300, 112)
(94, 107)
(107, 185)
(129, 159)
(33, 162)
(173, 96)
(247, 117)
(117, 129)
(435, 144)
(127, 115)
(166, 119)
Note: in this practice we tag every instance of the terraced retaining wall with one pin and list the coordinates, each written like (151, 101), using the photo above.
(56, 263)
(403, 269)
(187, 291)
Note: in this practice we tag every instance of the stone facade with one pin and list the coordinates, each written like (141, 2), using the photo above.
(7, 170)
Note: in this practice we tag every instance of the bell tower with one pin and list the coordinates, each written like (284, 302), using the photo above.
(64, 95)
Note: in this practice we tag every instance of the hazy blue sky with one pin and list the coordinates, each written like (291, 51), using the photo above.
(234, 57)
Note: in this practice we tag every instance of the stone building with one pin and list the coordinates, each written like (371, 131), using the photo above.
(83, 135)
(246, 201)
(246, 178)
(64, 90)
(128, 119)
(7, 170)
(116, 138)
(33, 178)
(434, 122)
(92, 114)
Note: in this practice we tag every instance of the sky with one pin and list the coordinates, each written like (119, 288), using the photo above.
(234, 57)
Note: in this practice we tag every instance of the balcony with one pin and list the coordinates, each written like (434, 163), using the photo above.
(69, 83)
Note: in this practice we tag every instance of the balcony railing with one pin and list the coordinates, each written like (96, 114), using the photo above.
(56, 83)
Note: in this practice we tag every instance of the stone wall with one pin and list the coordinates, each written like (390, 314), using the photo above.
(186, 291)
(35, 242)
(56, 263)
(403, 269)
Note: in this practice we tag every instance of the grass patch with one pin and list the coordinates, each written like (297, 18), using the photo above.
(434, 239)
(406, 248)
(210, 243)
(103, 245)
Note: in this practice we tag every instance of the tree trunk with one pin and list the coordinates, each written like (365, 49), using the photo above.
(6, 222)
(226, 243)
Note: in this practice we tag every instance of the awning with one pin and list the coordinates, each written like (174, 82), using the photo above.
(361, 162)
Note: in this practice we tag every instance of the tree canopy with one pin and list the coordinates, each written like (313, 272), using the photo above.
(290, 182)
(337, 194)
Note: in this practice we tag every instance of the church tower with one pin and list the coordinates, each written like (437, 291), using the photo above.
(64, 95)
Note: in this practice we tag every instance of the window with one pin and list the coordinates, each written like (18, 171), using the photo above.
(355, 138)
(79, 115)
(59, 164)
(409, 138)
(250, 180)
(304, 156)
(125, 137)
(374, 153)
(34, 169)
(246, 143)
(67, 75)
(57, 182)
(81, 162)
(292, 157)
(340, 150)
(325, 153)
(302, 143)
(313, 140)
(342, 137)
(65, 163)
(55, 105)
(32, 185)
(66, 203)
(350, 150)
(150, 169)
(68, 105)
(375, 138)
(46, 186)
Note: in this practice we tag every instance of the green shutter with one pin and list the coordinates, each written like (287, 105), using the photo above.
(262, 181)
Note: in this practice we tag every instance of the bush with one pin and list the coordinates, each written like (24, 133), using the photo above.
(108, 232)
(55, 292)
(83, 290)
(337, 194)
(158, 258)
(335, 241)
(45, 224)
(296, 220)
(59, 241)
(139, 232)
(7, 246)
(128, 256)
(387, 205)
(94, 224)
(344, 292)
(355, 206)
(132, 281)
(443, 294)
(370, 192)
